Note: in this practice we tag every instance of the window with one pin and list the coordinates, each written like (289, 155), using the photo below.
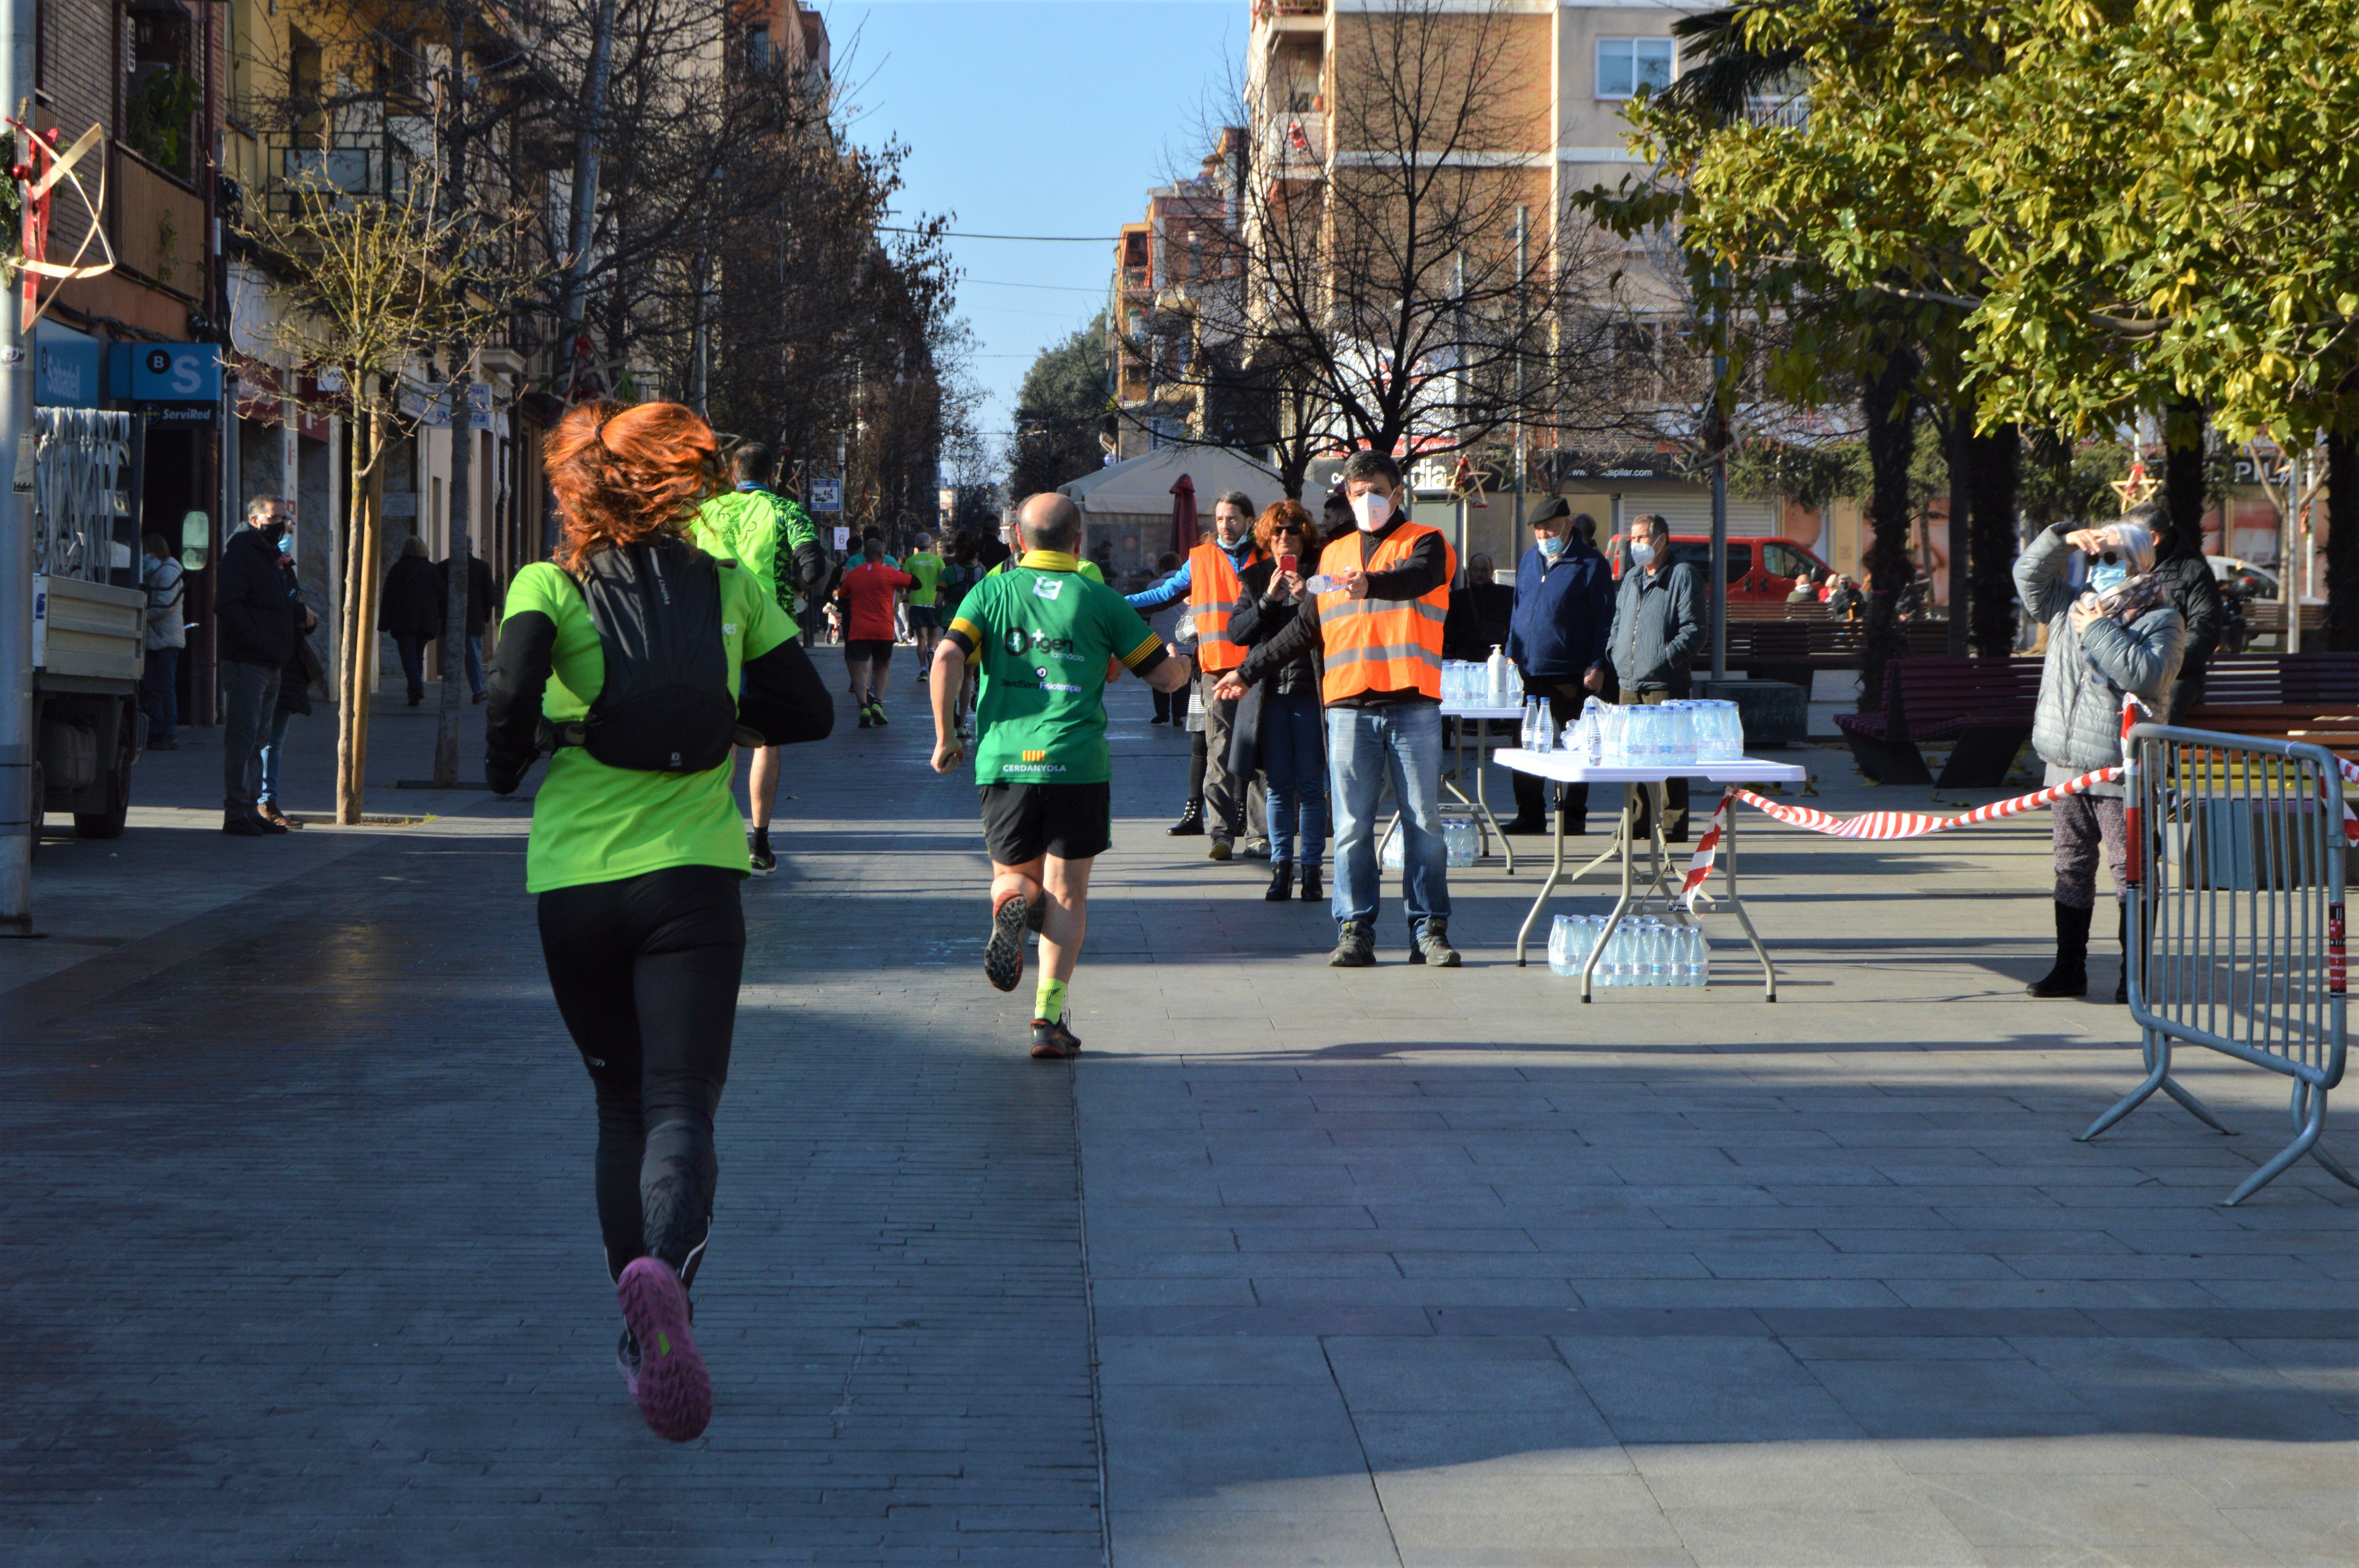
(1627, 68)
(758, 48)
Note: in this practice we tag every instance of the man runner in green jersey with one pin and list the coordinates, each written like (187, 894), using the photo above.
(925, 563)
(1044, 635)
(775, 539)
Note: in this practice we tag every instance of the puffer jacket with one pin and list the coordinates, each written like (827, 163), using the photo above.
(2076, 727)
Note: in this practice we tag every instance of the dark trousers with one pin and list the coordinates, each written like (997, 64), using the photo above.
(1564, 699)
(1171, 707)
(161, 687)
(646, 972)
(1675, 792)
(250, 694)
(413, 663)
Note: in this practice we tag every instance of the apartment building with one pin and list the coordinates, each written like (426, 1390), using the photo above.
(1557, 79)
(1172, 270)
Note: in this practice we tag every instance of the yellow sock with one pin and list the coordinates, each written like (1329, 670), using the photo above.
(1049, 1002)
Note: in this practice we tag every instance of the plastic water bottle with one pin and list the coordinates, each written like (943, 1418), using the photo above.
(1323, 583)
(1593, 731)
(1699, 957)
(1530, 739)
(1563, 938)
(1499, 676)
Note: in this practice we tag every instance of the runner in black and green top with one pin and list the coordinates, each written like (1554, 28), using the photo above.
(775, 539)
(1046, 638)
(637, 868)
(925, 620)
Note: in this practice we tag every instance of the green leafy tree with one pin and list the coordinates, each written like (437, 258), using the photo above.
(1062, 410)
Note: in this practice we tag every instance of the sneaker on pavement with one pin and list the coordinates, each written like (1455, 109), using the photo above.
(1256, 849)
(627, 1362)
(866, 722)
(1431, 944)
(1356, 947)
(876, 712)
(759, 855)
(1054, 1041)
(1002, 955)
(674, 1392)
(1219, 851)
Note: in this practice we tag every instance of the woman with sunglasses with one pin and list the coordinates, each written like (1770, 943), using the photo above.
(2111, 632)
(1285, 732)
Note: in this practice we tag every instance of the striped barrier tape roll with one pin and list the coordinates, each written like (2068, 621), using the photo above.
(1886, 825)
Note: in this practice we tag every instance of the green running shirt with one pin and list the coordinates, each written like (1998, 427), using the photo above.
(927, 567)
(592, 823)
(1043, 634)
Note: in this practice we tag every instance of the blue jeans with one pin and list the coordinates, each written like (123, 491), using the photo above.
(1365, 747)
(1294, 761)
(272, 751)
(161, 686)
(474, 664)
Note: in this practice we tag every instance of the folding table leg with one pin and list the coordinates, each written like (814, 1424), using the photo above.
(1630, 866)
(1555, 875)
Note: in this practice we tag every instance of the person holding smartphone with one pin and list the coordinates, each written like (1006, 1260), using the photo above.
(1282, 732)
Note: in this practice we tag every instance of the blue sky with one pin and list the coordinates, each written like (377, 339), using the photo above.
(1031, 117)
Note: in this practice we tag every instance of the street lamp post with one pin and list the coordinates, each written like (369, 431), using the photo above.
(19, 812)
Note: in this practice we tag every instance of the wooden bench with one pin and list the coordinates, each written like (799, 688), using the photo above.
(2297, 697)
(1983, 705)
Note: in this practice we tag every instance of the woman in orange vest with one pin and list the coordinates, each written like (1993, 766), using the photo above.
(1376, 624)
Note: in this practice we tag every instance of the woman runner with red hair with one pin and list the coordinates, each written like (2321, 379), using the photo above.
(639, 662)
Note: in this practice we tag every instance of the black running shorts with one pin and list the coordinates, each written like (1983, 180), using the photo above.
(1022, 822)
(868, 650)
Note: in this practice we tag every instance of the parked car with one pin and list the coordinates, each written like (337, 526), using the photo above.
(1760, 571)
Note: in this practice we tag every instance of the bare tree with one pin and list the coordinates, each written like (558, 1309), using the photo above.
(1396, 276)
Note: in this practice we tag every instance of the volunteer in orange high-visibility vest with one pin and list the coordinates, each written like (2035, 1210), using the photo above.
(1377, 626)
(1210, 580)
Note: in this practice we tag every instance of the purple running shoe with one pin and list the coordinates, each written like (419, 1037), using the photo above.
(674, 1392)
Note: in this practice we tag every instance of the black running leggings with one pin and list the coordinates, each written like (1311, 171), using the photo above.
(645, 973)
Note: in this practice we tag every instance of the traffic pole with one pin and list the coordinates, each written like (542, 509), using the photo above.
(20, 815)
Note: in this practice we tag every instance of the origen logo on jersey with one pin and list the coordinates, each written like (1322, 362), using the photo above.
(1018, 640)
(1035, 756)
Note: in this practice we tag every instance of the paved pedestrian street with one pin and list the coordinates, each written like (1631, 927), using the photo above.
(1293, 1265)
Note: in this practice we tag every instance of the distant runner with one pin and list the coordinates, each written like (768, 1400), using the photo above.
(627, 655)
(925, 563)
(1043, 635)
(773, 537)
(869, 590)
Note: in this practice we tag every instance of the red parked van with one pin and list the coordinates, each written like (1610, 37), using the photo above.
(1760, 571)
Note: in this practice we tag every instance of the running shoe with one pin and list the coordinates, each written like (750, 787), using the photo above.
(758, 853)
(673, 1391)
(876, 712)
(627, 1362)
(1003, 956)
(866, 722)
(1054, 1041)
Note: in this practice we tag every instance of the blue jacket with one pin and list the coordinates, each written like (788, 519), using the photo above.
(1176, 586)
(1564, 613)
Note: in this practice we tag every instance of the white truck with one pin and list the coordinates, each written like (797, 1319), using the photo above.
(88, 634)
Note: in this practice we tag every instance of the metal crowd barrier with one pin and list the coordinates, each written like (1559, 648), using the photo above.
(2236, 864)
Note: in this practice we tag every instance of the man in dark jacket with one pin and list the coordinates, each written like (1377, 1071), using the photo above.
(412, 614)
(1658, 631)
(1479, 613)
(257, 627)
(483, 598)
(2188, 583)
(1564, 610)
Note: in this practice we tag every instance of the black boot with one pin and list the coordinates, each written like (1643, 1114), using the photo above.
(2071, 975)
(1312, 891)
(1191, 822)
(2122, 986)
(1281, 881)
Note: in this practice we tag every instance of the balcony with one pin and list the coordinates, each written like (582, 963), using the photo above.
(158, 224)
(1295, 142)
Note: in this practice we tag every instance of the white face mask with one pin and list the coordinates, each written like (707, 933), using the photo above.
(1372, 511)
(1642, 553)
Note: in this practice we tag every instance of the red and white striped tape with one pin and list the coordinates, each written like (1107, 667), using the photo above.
(1884, 824)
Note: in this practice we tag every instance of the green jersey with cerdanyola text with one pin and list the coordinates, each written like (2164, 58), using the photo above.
(1042, 635)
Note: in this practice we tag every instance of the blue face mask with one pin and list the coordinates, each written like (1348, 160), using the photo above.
(2104, 578)
(1552, 545)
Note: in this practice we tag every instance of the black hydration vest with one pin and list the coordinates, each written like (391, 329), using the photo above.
(666, 706)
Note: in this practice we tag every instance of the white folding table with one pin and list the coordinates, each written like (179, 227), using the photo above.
(1565, 768)
(1472, 717)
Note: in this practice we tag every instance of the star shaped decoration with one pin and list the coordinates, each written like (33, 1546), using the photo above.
(2136, 487)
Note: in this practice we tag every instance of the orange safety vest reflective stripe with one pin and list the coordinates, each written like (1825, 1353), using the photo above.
(1213, 594)
(1382, 644)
